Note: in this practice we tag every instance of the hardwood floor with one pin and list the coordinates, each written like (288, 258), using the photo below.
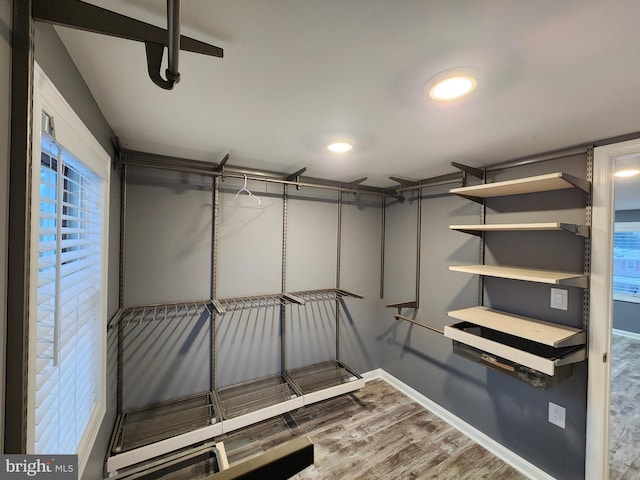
(374, 433)
(624, 429)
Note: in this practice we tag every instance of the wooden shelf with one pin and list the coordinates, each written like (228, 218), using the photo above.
(582, 230)
(568, 279)
(500, 351)
(539, 183)
(538, 331)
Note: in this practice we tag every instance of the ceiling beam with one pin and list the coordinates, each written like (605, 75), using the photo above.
(90, 18)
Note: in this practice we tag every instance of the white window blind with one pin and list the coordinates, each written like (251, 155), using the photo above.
(68, 274)
(626, 262)
(69, 300)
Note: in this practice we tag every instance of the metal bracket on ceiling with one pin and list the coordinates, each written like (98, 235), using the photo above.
(404, 182)
(468, 170)
(295, 177)
(90, 18)
(220, 166)
(354, 184)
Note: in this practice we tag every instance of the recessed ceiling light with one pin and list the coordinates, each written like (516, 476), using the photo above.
(452, 87)
(339, 147)
(627, 173)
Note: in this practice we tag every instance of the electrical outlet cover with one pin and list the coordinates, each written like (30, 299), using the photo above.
(557, 415)
(559, 298)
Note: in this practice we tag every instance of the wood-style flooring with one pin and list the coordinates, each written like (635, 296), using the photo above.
(624, 427)
(374, 433)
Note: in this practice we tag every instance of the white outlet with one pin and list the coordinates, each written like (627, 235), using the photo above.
(557, 414)
(559, 298)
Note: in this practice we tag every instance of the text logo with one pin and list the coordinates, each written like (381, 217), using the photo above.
(50, 467)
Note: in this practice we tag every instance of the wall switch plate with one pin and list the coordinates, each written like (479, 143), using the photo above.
(557, 414)
(559, 298)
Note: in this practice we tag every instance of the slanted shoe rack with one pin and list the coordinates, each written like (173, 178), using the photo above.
(538, 352)
(151, 431)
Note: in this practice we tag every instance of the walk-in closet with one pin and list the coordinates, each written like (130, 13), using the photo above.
(319, 240)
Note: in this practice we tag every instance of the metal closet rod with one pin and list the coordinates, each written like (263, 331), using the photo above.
(147, 160)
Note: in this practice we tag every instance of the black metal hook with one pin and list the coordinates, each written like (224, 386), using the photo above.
(155, 52)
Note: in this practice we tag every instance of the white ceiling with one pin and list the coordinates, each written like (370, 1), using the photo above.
(551, 74)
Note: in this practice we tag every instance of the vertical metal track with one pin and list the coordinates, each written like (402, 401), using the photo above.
(418, 246)
(481, 246)
(215, 204)
(338, 253)
(382, 244)
(19, 241)
(586, 297)
(283, 312)
(121, 286)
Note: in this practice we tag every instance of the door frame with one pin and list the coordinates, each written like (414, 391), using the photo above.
(601, 301)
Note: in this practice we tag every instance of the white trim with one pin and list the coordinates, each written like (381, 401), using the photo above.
(313, 397)
(600, 323)
(625, 333)
(497, 449)
(260, 415)
(71, 132)
(156, 449)
(69, 129)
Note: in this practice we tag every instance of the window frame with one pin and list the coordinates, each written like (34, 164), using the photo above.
(617, 228)
(76, 138)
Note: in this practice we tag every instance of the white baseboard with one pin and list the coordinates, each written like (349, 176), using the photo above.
(497, 449)
(624, 333)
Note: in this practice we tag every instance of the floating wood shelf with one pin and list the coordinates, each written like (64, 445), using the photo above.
(568, 279)
(582, 230)
(500, 349)
(539, 183)
(539, 331)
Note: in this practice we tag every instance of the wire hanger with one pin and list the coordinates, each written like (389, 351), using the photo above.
(245, 189)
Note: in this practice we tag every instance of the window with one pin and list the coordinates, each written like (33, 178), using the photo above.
(626, 262)
(68, 278)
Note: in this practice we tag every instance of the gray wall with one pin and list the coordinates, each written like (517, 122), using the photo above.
(168, 259)
(626, 315)
(5, 100)
(250, 250)
(59, 67)
(507, 410)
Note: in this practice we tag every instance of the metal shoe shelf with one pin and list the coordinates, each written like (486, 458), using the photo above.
(256, 400)
(149, 432)
(157, 429)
